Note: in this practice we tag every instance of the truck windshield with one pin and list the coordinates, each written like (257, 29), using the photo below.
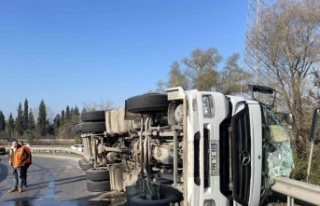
(278, 153)
(272, 118)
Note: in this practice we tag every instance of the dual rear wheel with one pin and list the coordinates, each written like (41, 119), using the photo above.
(98, 179)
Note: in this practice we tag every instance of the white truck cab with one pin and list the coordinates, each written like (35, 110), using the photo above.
(223, 155)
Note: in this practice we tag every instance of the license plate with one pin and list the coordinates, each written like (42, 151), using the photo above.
(214, 159)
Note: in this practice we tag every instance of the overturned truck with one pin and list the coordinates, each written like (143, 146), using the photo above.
(187, 148)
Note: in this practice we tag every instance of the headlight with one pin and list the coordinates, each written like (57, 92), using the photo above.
(208, 106)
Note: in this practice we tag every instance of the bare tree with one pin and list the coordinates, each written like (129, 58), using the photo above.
(199, 71)
(286, 42)
(233, 79)
(201, 67)
(160, 86)
(102, 104)
(195, 72)
(176, 77)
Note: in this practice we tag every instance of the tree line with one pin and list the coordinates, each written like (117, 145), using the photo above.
(63, 123)
(25, 126)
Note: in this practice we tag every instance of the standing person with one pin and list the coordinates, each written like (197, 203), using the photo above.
(27, 162)
(16, 159)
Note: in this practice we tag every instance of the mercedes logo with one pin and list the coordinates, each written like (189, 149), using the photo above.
(245, 158)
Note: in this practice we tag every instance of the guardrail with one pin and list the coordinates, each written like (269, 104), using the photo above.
(294, 189)
(54, 150)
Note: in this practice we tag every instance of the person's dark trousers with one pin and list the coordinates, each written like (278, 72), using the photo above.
(24, 173)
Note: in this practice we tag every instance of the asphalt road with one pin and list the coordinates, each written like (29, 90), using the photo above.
(53, 181)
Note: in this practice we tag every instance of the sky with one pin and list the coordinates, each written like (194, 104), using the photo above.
(73, 52)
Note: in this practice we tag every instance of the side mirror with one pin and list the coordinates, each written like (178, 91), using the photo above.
(286, 117)
(289, 118)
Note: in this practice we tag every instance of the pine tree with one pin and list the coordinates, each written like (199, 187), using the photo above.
(68, 114)
(2, 122)
(57, 124)
(64, 124)
(57, 121)
(42, 119)
(62, 117)
(76, 111)
(10, 127)
(25, 115)
(50, 128)
(31, 121)
(19, 121)
(75, 116)
(29, 133)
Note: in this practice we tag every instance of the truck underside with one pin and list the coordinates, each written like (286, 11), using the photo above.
(183, 147)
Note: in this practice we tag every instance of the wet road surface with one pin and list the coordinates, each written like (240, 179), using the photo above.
(53, 181)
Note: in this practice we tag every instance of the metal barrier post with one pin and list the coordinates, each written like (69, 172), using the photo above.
(290, 201)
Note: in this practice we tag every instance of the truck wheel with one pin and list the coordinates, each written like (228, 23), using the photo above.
(147, 103)
(78, 128)
(93, 116)
(98, 186)
(97, 174)
(169, 195)
(131, 191)
(88, 127)
(86, 165)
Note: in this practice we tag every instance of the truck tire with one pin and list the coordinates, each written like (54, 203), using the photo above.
(98, 186)
(169, 195)
(78, 128)
(97, 174)
(88, 127)
(86, 165)
(93, 116)
(131, 191)
(147, 103)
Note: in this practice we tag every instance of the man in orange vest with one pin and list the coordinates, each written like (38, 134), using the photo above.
(17, 157)
(27, 162)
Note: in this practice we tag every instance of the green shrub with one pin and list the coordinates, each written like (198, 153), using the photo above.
(301, 166)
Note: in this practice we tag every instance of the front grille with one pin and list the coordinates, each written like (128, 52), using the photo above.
(241, 156)
(225, 163)
(196, 159)
(206, 157)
